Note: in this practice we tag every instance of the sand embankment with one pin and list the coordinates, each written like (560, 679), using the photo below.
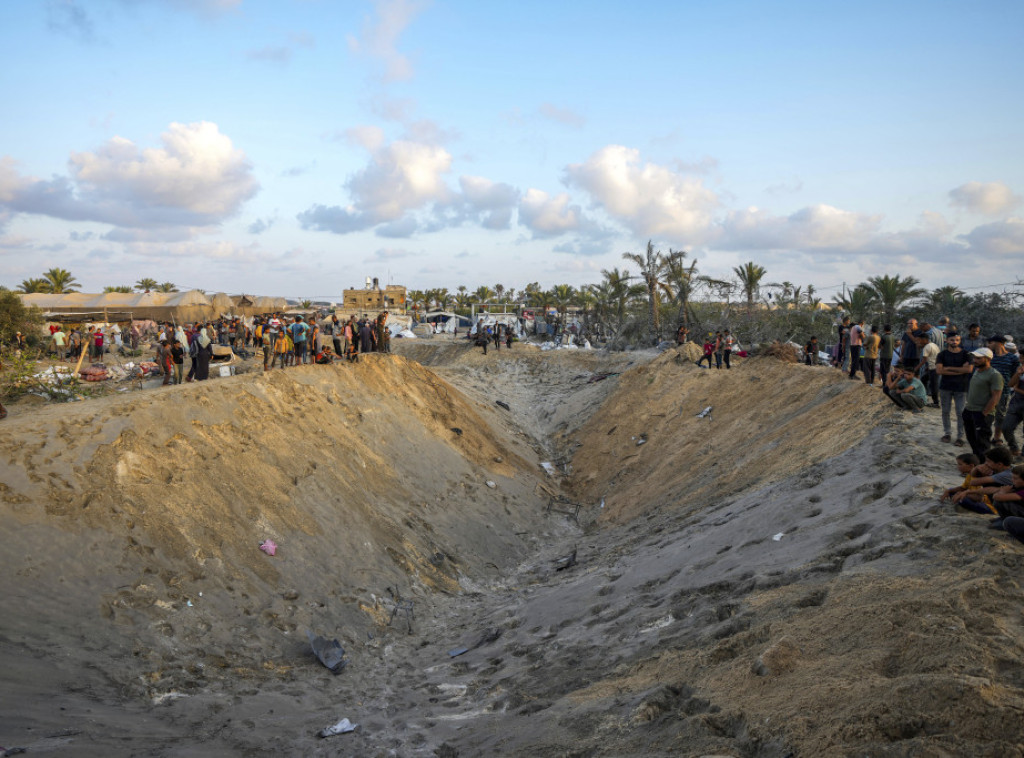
(778, 579)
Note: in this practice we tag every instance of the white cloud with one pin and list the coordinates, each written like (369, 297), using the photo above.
(815, 227)
(548, 216)
(198, 178)
(380, 35)
(999, 239)
(988, 198)
(650, 200)
(400, 177)
(491, 202)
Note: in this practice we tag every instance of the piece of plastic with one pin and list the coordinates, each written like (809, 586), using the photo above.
(342, 727)
(778, 536)
(328, 652)
(269, 547)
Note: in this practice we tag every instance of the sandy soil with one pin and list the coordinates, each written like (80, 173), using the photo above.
(775, 579)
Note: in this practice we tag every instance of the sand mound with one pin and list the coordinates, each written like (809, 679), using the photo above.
(139, 517)
(649, 446)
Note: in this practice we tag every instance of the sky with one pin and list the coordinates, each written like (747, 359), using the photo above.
(296, 147)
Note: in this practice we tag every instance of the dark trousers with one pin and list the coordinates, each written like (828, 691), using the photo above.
(705, 358)
(1013, 418)
(978, 429)
(869, 369)
(854, 360)
(930, 380)
(725, 357)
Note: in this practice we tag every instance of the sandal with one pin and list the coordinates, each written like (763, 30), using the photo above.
(946, 438)
(959, 443)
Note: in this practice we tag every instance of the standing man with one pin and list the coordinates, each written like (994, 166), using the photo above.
(954, 367)
(973, 340)
(983, 393)
(335, 330)
(856, 336)
(871, 344)
(299, 330)
(885, 350)
(926, 368)
(728, 343)
(1006, 364)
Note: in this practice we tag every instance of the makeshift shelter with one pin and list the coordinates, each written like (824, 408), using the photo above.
(222, 304)
(180, 307)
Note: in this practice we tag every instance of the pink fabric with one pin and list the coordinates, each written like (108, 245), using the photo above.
(268, 546)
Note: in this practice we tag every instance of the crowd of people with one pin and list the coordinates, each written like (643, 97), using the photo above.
(967, 376)
(484, 334)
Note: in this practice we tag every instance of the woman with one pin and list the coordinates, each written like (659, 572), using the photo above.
(204, 352)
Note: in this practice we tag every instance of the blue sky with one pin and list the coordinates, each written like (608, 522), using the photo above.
(297, 146)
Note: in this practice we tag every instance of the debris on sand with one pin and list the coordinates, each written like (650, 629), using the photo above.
(328, 652)
(269, 547)
(503, 404)
(342, 727)
(487, 636)
(566, 561)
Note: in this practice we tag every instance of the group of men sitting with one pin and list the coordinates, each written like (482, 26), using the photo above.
(992, 486)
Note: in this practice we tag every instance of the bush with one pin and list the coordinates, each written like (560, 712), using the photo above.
(15, 317)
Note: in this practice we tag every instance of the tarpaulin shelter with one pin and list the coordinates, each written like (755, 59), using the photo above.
(180, 307)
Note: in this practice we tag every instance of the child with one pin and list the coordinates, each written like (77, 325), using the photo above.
(280, 349)
(986, 480)
(966, 463)
(709, 350)
(907, 392)
(1009, 502)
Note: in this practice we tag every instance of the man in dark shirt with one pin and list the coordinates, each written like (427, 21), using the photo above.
(954, 367)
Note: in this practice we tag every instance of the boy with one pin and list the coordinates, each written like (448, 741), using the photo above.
(1009, 502)
(986, 480)
(709, 350)
(966, 464)
(906, 390)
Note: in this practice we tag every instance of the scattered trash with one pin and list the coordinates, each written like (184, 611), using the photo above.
(491, 484)
(328, 652)
(488, 636)
(546, 465)
(602, 503)
(269, 547)
(188, 603)
(706, 413)
(642, 440)
(457, 430)
(405, 607)
(503, 404)
(566, 561)
(342, 727)
(779, 536)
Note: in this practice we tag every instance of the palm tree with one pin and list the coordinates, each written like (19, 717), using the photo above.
(563, 295)
(305, 304)
(893, 292)
(61, 281)
(679, 283)
(750, 275)
(652, 265)
(146, 285)
(441, 297)
(483, 294)
(858, 301)
(945, 298)
(499, 291)
(166, 287)
(36, 285)
(117, 288)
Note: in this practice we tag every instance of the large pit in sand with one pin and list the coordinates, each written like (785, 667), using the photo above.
(775, 578)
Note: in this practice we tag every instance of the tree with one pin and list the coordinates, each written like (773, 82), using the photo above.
(483, 294)
(944, 299)
(166, 287)
(36, 285)
(893, 292)
(16, 317)
(750, 275)
(858, 302)
(563, 295)
(651, 265)
(305, 304)
(61, 281)
(146, 285)
(679, 283)
(117, 288)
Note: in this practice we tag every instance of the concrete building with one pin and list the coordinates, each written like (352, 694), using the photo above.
(373, 299)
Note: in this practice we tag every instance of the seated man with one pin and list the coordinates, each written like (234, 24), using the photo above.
(905, 389)
(986, 480)
(1009, 501)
